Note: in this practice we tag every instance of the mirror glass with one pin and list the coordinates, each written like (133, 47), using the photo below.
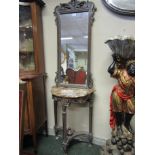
(126, 7)
(125, 4)
(74, 47)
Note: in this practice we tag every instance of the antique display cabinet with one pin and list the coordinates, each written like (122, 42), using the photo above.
(31, 65)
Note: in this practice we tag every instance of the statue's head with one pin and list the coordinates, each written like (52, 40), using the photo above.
(118, 60)
(123, 49)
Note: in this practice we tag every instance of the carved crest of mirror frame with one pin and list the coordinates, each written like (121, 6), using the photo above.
(74, 6)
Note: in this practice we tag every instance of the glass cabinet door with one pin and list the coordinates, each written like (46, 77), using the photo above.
(26, 49)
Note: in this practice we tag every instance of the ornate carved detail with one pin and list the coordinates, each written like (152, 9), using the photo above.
(65, 102)
(56, 78)
(74, 5)
(90, 81)
(92, 15)
(68, 101)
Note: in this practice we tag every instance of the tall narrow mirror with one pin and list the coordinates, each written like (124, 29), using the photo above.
(74, 46)
(74, 20)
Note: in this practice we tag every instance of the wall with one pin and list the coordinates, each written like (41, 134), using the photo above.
(107, 24)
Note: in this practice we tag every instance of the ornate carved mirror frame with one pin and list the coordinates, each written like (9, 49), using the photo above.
(74, 6)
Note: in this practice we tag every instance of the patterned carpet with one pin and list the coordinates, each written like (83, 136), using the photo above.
(52, 146)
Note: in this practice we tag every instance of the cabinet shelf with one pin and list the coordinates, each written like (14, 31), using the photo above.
(25, 28)
(26, 52)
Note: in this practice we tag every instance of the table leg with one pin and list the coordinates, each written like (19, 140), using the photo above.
(55, 116)
(91, 119)
(64, 120)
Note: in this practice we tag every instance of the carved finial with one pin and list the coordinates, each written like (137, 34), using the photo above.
(73, 1)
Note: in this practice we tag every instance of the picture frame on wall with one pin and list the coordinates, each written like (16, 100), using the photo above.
(122, 7)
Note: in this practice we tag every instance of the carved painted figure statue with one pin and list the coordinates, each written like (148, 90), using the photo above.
(122, 100)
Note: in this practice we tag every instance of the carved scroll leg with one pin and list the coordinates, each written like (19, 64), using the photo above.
(55, 117)
(64, 120)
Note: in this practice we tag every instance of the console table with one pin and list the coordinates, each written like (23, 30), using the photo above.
(67, 96)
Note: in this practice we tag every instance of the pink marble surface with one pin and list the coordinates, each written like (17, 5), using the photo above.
(71, 92)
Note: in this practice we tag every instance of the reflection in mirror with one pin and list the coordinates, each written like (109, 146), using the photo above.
(74, 47)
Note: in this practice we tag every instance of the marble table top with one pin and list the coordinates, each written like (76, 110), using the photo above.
(67, 92)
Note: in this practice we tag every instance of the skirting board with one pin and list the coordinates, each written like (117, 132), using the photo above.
(97, 141)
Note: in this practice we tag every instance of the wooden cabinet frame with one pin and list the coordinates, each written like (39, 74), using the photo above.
(36, 112)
